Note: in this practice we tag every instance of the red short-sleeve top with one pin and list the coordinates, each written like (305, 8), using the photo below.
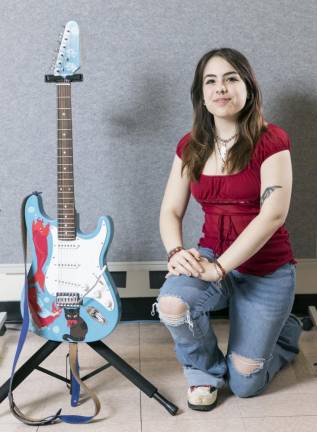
(230, 202)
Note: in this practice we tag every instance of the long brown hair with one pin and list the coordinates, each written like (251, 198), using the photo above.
(250, 120)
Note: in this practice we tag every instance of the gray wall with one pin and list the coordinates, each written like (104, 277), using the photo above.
(138, 59)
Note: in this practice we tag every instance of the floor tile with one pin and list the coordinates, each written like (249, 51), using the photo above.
(281, 424)
(199, 422)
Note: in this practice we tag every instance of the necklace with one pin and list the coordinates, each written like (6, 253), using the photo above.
(223, 149)
(225, 141)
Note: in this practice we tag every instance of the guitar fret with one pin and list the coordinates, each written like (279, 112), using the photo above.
(67, 226)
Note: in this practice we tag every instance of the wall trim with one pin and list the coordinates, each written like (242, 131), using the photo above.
(142, 279)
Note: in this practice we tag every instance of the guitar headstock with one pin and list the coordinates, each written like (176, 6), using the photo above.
(68, 58)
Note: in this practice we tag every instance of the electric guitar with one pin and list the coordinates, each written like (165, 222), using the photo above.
(71, 294)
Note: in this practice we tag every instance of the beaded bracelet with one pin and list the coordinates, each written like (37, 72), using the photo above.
(173, 252)
(218, 273)
(218, 265)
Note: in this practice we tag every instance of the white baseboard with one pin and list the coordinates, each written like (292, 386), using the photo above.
(138, 281)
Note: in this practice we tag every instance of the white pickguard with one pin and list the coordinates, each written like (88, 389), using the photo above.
(74, 267)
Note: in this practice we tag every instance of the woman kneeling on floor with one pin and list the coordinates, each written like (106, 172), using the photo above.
(238, 167)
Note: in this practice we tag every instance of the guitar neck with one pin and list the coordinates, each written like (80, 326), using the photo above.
(66, 215)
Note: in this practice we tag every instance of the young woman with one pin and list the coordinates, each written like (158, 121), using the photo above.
(238, 167)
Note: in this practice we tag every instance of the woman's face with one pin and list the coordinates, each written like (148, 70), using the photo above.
(224, 91)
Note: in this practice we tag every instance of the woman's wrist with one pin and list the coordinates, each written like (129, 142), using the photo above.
(210, 274)
(173, 252)
(216, 276)
(220, 270)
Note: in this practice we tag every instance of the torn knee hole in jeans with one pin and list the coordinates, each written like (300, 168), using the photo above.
(246, 366)
(173, 319)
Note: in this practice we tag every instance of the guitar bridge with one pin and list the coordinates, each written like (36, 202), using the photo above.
(68, 299)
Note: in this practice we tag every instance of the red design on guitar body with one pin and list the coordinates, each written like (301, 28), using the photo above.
(40, 234)
(36, 310)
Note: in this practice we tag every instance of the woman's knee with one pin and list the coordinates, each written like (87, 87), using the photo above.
(172, 310)
(247, 376)
(172, 305)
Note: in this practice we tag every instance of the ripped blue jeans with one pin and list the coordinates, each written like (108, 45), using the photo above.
(263, 335)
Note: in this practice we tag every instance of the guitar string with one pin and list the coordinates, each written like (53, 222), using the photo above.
(68, 233)
(62, 124)
(65, 231)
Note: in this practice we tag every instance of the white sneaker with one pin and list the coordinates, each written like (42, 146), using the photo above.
(202, 398)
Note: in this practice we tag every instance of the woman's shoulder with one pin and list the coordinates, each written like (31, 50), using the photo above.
(275, 131)
(182, 144)
(272, 140)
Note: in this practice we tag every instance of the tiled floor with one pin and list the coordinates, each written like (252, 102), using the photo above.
(289, 404)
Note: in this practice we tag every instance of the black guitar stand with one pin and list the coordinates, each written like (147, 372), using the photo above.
(104, 351)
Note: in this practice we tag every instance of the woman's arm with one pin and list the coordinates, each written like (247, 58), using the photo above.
(276, 190)
(173, 207)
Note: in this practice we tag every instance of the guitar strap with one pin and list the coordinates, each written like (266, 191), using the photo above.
(75, 419)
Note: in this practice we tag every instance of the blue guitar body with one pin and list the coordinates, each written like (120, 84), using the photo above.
(71, 294)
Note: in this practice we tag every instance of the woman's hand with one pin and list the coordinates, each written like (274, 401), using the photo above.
(185, 262)
(209, 273)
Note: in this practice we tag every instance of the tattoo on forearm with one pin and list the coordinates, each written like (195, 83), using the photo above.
(267, 193)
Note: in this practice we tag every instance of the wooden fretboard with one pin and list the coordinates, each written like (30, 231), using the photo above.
(66, 216)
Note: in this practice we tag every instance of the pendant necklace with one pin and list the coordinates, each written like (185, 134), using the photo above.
(223, 149)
